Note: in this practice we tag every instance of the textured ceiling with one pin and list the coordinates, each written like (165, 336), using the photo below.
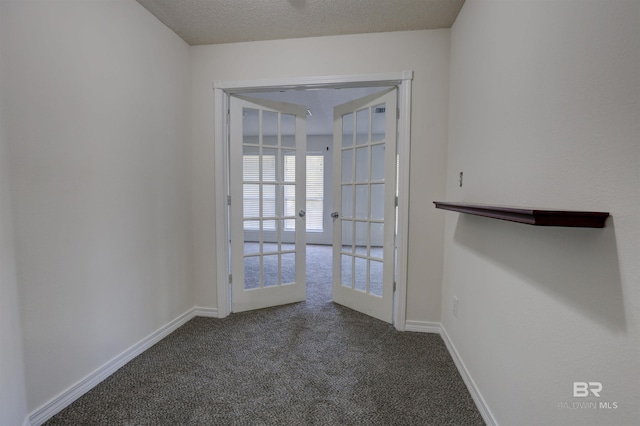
(229, 21)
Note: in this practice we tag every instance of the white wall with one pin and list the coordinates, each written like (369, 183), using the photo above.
(545, 112)
(98, 135)
(13, 402)
(424, 52)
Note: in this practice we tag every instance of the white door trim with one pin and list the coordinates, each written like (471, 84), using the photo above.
(223, 232)
(402, 239)
(320, 82)
(222, 90)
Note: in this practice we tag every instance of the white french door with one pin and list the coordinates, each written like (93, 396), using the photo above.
(364, 190)
(267, 212)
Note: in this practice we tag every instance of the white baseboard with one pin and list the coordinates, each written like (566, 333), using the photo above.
(485, 412)
(206, 312)
(422, 326)
(436, 327)
(57, 404)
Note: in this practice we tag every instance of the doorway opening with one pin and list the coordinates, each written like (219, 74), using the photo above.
(319, 104)
(318, 96)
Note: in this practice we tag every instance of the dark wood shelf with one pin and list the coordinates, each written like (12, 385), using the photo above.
(537, 217)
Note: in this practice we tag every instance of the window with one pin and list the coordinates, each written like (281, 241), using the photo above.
(315, 192)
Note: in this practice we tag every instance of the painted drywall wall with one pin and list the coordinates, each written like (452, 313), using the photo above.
(424, 52)
(13, 400)
(545, 112)
(98, 137)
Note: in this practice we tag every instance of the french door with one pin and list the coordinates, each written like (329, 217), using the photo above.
(267, 212)
(364, 190)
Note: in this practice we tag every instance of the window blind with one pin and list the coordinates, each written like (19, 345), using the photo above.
(315, 191)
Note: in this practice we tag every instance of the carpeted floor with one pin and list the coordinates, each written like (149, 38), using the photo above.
(310, 363)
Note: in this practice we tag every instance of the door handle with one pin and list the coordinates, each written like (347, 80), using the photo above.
(302, 213)
(335, 215)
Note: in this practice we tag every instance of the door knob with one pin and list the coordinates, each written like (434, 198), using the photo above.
(302, 213)
(335, 215)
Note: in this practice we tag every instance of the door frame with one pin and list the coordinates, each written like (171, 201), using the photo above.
(223, 89)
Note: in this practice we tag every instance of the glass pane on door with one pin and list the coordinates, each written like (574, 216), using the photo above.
(268, 193)
(362, 212)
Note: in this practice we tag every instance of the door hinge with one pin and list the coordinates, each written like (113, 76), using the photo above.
(394, 286)
(231, 276)
(398, 113)
(229, 200)
(396, 201)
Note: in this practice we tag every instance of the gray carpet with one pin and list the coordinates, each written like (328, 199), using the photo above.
(310, 363)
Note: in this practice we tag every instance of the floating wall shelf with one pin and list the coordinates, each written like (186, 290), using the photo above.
(530, 216)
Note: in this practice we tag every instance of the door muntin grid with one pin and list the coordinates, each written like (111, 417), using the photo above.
(269, 255)
(362, 194)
